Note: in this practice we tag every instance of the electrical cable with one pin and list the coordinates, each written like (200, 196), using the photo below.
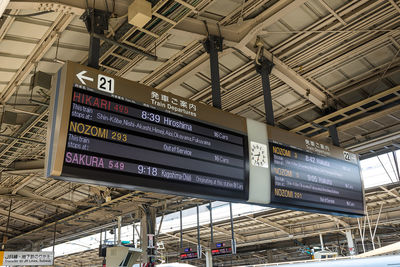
(30, 15)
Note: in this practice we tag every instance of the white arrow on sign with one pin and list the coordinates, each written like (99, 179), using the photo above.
(81, 77)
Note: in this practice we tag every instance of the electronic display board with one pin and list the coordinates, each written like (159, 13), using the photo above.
(110, 131)
(190, 253)
(313, 176)
(221, 248)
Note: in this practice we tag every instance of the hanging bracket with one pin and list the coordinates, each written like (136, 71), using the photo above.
(96, 22)
(264, 68)
(213, 45)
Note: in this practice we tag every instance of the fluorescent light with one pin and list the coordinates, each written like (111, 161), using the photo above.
(3, 5)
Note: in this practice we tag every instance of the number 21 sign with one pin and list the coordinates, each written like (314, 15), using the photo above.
(105, 84)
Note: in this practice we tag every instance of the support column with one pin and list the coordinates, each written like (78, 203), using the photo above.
(264, 69)
(232, 229)
(350, 242)
(94, 52)
(209, 261)
(96, 22)
(334, 135)
(147, 232)
(211, 225)
(396, 164)
(213, 45)
(322, 242)
(119, 230)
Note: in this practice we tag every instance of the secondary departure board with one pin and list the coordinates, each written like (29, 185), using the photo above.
(314, 176)
(115, 132)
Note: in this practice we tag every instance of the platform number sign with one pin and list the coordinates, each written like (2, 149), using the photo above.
(105, 84)
(346, 156)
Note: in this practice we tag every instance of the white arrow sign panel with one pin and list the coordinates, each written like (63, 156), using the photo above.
(81, 76)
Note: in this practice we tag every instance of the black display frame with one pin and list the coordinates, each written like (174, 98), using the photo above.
(303, 205)
(102, 177)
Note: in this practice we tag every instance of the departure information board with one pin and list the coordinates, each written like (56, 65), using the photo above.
(117, 140)
(314, 176)
(106, 130)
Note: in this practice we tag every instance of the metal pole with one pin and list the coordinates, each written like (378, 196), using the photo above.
(180, 219)
(232, 230)
(214, 44)
(211, 224)
(101, 238)
(115, 235)
(94, 44)
(396, 164)
(322, 242)
(94, 52)
(350, 242)
(119, 230)
(209, 260)
(5, 236)
(54, 238)
(370, 231)
(334, 135)
(133, 235)
(265, 70)
(198, 227)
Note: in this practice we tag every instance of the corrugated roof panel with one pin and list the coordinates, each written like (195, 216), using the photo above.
(11, 62)
(16, 47)
(354, 68)
(29, 30)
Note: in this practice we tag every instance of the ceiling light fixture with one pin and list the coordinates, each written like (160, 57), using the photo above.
(3, 5)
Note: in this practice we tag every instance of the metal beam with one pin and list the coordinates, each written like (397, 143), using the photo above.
(127, 47)
(333, 12)
(228, 233)
(20, 217)
(377, 141)
(339, 221)
(68, 6)
(28, 165)
(52, 202)
(396, 6)
(45, 43)
(24, 182)
(357, 105)
(240, 36)
(269, 223)
(393, 192)
(364, 119)
(9, 230)
(74, 216)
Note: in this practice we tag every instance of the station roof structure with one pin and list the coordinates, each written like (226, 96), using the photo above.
(337, 62)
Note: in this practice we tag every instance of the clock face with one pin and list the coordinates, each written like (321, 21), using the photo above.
(259, 155)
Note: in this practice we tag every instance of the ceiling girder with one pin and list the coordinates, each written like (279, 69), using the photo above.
(364, 119)
(45, 43)
(20, 217)
(239, 36)
(69, 6)
(326, 120)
